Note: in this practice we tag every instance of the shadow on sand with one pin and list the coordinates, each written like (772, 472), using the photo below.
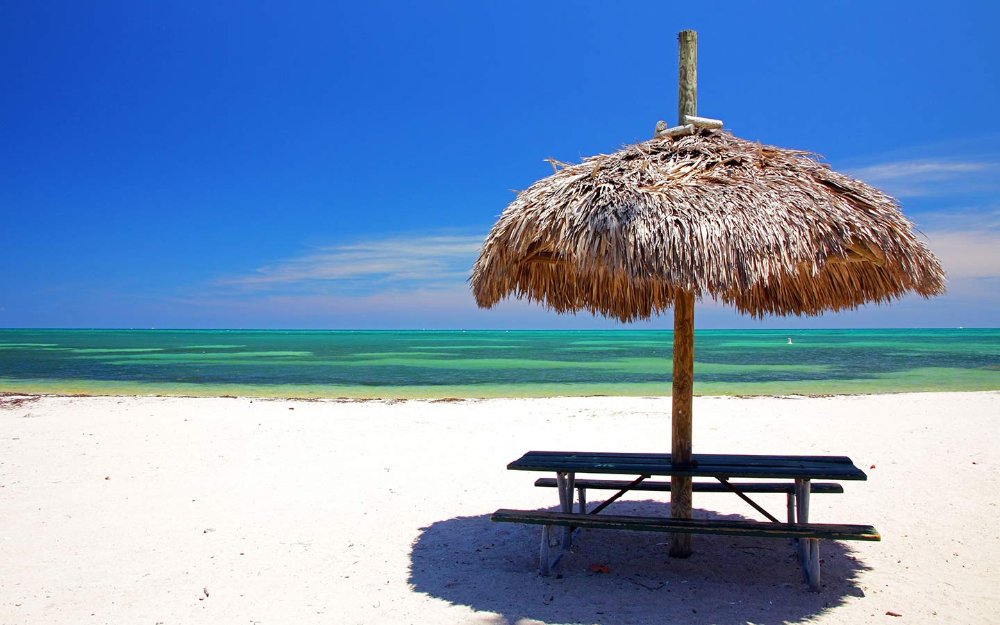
(492, 567)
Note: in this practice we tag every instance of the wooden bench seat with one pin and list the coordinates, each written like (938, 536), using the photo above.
(698, 487)
(807, 533)
(690, 526)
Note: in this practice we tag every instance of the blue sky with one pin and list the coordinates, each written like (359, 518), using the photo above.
(336, 165)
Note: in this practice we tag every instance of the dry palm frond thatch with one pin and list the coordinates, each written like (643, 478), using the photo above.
(768, 230)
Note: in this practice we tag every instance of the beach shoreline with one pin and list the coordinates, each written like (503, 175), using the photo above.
(430, 397)
(246, 509)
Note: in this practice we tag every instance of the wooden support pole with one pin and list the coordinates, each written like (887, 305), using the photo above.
(687, 75)
(683, 381)
(681, 404)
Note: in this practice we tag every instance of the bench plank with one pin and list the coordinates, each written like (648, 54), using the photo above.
(704, 487)
(691, 526)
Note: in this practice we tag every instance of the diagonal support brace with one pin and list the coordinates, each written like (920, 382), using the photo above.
(617, 496)
(743, 496)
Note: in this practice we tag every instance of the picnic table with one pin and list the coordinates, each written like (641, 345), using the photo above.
(792, 475)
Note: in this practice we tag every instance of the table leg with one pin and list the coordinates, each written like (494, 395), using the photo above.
(812, 565)
(802, 489)
(808, 547)
(544, 560)
(566, 482)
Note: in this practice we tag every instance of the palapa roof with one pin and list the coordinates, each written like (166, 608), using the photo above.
(766, 229)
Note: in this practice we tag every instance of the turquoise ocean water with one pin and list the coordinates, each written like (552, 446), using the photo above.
(276, 363)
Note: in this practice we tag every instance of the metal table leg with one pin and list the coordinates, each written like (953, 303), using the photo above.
(808, 547)
(566, 483)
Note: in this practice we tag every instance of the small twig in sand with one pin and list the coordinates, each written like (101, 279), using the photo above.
(646, 586)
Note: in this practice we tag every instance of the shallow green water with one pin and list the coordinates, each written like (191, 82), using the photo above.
(281, 363)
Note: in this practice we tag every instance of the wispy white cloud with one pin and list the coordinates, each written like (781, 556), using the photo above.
(438, 307)
(967, 254)
(931, 177)
(923, 169)
(960, 219)
(401, 262)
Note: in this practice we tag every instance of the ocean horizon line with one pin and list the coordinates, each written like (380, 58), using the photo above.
(614, 329)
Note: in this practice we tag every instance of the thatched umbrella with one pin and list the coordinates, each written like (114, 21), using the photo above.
(698, 212)
(766, 229)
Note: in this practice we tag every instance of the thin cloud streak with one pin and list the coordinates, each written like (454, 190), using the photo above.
(967, 254)
(425, 260)
(923, 169)
(929, 177)
(958, 219)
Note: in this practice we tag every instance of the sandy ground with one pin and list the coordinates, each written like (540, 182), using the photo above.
(229, 510)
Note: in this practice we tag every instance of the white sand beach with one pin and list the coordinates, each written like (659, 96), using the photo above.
(171, 511)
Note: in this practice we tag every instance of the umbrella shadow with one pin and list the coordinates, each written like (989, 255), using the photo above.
(493, 567)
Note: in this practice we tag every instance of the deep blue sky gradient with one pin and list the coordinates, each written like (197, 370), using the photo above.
(223, 164)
